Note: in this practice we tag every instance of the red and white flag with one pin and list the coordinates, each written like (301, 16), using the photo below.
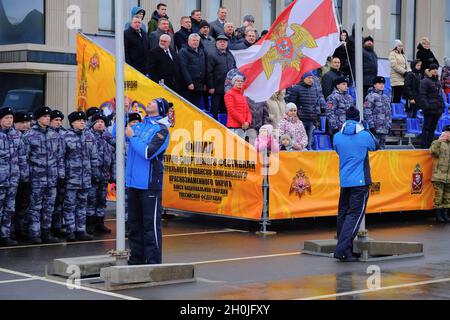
(300, 40)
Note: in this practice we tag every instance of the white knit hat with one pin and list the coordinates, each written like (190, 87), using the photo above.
(290, 106)
(397, 43)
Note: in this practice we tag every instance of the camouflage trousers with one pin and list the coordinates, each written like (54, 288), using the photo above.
(42, 202)
(22, 205)
(441, 195)
(97, 200)
(7, 203)
(75, 207)
(57, 221)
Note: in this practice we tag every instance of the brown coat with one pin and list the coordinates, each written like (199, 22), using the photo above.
(441, 166)
(399, 66)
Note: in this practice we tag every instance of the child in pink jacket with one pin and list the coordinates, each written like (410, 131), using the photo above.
(265, 140)
(293, 126)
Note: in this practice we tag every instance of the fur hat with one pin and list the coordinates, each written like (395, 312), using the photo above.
(20, 116)
(99, 116)
(378, 80)
(339, 80)
(369, 38)
(76, 115)
(352, 114)
(91, 111)
(42, 111)
(6, 111)
(56, 114)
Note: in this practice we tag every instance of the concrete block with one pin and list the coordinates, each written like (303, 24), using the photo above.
(88, 266)
(148, 273)
(320, 246)
(392, 248)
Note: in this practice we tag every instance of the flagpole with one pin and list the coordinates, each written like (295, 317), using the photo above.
(120, 253)
(359, 82)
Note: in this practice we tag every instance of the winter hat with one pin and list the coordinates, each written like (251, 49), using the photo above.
(352, 114)
(134, 117)
(99, 116)
(446, 128)
(287, 137)
(378, 80)
(268, 127)
(447, 62)
(56, 114)
(91, 111)
(42, 111)
(433, 66)
(76, 115)
(203, 23)
(222, 37)
(6, 111)
(307, 74)
(397, 43)
(22, 117)
(290, 106)
(236, 77)
(339, 80)
(369, 38)
(163, 106)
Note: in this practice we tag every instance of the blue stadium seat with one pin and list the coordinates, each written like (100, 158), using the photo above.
(222, 117)
(420, 115)
(448, 98)
(323, 142)
(441, 124)
(323, 124)
(388, 87)
(403, 101)
(398, 111)
(413, 126)
(352, 92)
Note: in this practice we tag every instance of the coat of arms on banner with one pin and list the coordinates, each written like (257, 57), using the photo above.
(94, 62)
(300, 184)
(375, 188)
(417, 180)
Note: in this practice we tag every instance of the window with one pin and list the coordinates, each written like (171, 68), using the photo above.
(287, 2)
(338, 8)
(411, 30)
(22, 22)
(106, 16)
(192, 5)
(396, 19)
(269, 14)
(447, 28)
(214, 6)
(21, 91)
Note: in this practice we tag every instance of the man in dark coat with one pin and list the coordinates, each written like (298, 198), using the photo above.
(425, 54)
(163, 28)
(136, 46)
(219, 63)
(218, 24)
(165, 64)
(182, 35)
(432, 103)
(412, 87)
(329, 77)
(370, 64)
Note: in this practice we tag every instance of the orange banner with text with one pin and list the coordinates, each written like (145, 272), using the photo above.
(208, 169)
(307, 183)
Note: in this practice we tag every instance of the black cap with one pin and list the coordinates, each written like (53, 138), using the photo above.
(56, 114)
(99, 116)
(91, 111)
(369, 38)
(203, 23)
(339, 80)
(222, 37)
(42, 111)
(352, 114)
(6, 111)
(134, 117)
(433, 66)
(446, 128)
(76, 115)
(379, 80)
(20, 116)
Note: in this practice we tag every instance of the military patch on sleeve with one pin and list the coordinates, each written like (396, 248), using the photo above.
(160, 136)
(330, 105)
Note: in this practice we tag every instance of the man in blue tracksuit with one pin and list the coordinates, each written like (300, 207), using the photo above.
(144, 179)
(352, 144)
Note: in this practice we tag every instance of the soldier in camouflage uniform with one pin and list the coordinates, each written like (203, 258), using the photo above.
(13, 168)
(89, 113)
(106, 168)
(377, 111)
(81, 169)
(46, 163)
(20, 226)
(339, 101)
(56, 118)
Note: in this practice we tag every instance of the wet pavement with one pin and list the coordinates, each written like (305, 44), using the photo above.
(233, 263)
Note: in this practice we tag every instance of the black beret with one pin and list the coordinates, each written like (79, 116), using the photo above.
(20, 116)
(6, 111)
(77, 115)
(42, 111)
(56, 114)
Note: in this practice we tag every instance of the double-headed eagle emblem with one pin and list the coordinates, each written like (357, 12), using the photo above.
(287, 50)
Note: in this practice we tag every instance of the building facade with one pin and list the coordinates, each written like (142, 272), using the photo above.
(38, 49)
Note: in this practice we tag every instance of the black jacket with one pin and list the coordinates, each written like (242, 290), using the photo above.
(426, 56)
(181, 38)
(193, 67)
(370, 66)
(162, 67)
(218, 66)
(341, 53)
(430, 96)
(136, 49)
(327, 81)
(241, 44)
(306, 99)
(412, 84)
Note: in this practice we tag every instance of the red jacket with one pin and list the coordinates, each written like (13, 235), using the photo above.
(237, 108)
